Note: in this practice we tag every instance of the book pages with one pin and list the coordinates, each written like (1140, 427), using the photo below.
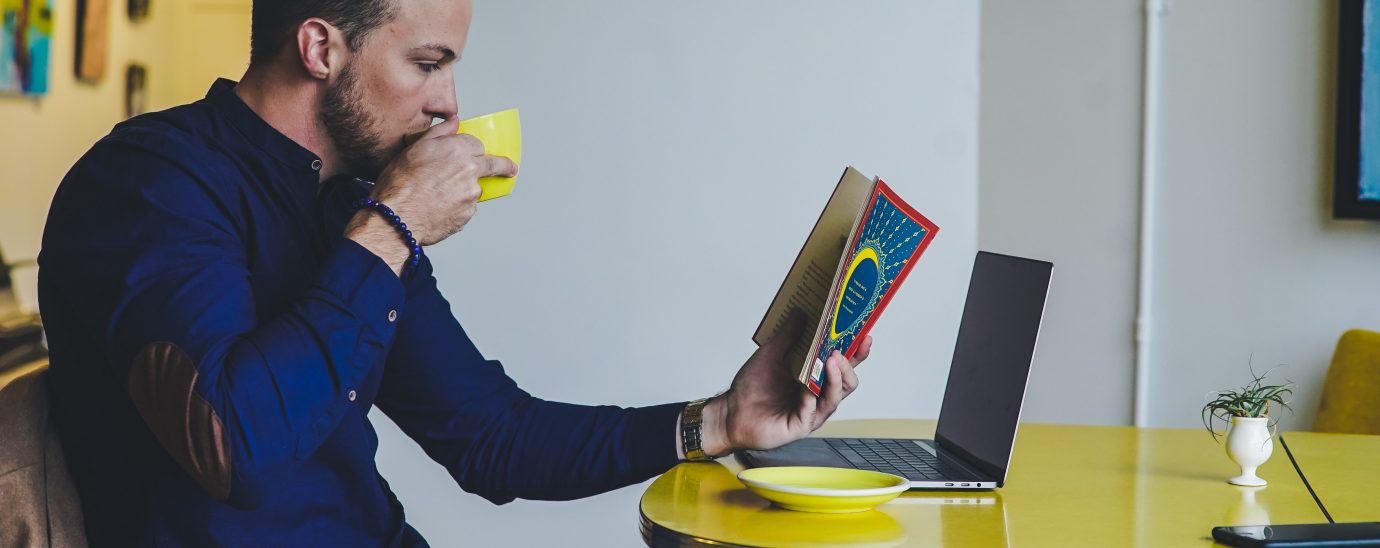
(810, 280)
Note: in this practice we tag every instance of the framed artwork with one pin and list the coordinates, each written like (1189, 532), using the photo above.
(1356, 172)
(92, 33)
(135, 90)
(138, 10)
(25, 33)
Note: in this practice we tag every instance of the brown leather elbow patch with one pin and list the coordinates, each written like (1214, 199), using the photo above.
(161, 383)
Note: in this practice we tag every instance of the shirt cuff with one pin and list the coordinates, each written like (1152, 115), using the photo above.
(365, 284)
(652, 435)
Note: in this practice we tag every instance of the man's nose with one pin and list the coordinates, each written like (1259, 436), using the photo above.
(443, 103)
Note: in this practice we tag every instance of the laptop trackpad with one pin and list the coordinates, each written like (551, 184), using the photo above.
(806, 452)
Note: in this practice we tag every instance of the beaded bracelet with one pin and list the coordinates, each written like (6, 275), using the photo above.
(413, 247)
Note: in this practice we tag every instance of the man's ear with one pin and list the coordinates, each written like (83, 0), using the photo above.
(319, 45)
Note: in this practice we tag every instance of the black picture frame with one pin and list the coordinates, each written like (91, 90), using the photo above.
(138, 10)
(1346, 199)
(136, 90)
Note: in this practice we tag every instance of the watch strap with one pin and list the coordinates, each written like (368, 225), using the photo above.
(691, 431)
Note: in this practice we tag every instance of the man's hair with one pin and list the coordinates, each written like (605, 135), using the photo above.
(274, 22)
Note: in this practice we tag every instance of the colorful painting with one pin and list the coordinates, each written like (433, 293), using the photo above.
(1370, 111)
(25, 34)
(1356, 193)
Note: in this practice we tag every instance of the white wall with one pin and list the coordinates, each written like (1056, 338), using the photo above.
(1251, 261)
(1059, 157)
(676, 156)
(1248, 259)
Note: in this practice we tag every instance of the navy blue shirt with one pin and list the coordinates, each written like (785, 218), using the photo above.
(217, 344)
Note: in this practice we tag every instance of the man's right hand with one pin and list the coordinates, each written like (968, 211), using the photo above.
(433, 185)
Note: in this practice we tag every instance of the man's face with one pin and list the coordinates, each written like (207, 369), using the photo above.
(400, 78)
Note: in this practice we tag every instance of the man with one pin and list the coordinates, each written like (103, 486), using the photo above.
(222, 314)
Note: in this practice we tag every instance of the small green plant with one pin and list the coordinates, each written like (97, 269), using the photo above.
(1253, 400)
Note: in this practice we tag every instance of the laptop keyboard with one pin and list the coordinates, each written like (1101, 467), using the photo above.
(900, 457)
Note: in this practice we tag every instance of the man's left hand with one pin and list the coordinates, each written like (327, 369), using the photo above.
(766, 406)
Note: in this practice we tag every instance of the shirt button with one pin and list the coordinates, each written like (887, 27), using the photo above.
(351, 395)
(316, 165)
(392, 316)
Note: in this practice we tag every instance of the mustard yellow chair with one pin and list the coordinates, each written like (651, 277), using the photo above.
(1351, 394)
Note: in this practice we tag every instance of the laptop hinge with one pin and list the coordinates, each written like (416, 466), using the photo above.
(950, 453)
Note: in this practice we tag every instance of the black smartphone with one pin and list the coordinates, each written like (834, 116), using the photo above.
(1308, 534)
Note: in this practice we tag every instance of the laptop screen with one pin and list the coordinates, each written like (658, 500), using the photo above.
(996, 342)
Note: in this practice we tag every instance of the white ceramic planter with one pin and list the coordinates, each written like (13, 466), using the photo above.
(1249, 444)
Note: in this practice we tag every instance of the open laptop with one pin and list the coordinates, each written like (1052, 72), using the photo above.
(982, 402)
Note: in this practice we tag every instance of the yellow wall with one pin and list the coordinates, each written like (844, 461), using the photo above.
(183, 44)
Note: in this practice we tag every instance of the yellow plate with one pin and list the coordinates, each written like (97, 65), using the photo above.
(822, 489)
(501, 133)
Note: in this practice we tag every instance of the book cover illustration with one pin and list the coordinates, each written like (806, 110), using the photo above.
(881, 251)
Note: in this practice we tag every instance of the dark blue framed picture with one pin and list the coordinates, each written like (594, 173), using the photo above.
(1356, 173)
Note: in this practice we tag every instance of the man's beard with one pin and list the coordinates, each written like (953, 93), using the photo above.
(352, 130)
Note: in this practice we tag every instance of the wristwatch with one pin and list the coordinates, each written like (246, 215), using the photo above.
(691, 425)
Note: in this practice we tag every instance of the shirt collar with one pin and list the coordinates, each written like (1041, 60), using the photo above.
(222, 97)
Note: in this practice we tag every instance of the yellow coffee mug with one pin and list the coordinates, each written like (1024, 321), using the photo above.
(501, 134)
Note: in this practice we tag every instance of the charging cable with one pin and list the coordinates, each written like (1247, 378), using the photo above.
(1305, 479)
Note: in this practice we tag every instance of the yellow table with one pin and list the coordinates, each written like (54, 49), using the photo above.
(1342, 470)
(1068, 486)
